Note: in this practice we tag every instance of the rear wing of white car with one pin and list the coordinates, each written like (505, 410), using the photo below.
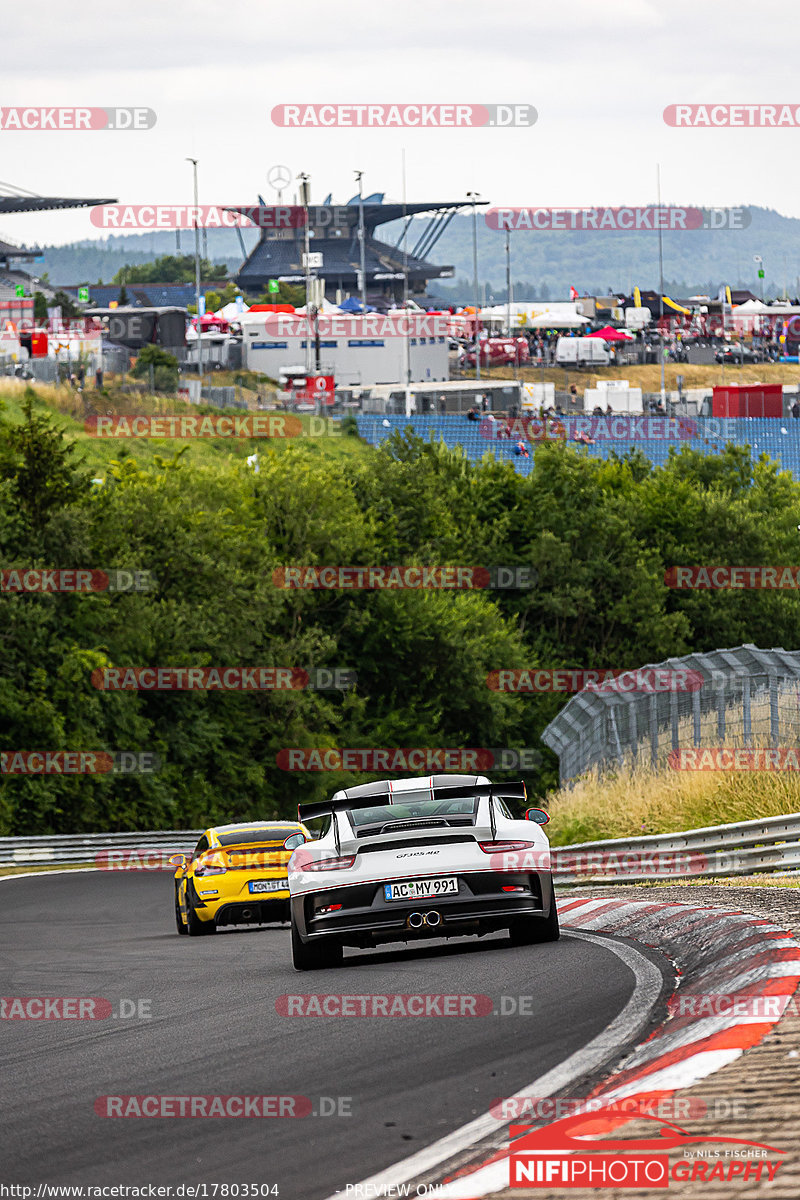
(382, 794)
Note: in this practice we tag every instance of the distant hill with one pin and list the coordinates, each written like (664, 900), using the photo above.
(544, 264)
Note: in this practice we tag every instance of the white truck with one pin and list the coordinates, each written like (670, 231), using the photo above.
(582, 352)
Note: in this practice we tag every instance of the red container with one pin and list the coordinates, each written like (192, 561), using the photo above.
(748, 400)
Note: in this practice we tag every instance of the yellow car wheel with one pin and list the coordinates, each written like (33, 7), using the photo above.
(179, 921)
(198, 928)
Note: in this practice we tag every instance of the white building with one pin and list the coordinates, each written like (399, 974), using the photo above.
(357, 350)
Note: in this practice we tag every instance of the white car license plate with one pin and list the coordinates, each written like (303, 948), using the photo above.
(268, 885)
(420, 889)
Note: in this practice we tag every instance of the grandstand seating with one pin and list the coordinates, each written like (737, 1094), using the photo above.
(779, 440)
(147, 295)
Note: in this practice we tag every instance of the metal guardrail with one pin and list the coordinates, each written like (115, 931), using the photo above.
(84, 848)
(743, 848)
(749, 847)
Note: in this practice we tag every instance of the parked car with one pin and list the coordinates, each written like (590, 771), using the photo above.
(498, 352)
(737, 353)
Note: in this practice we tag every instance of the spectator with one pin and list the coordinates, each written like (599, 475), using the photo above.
(442, 404)
(521, 450)
(472, 415)
(796, 408)
(98, 378)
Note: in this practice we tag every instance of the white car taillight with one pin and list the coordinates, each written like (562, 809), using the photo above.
(329, 864)
(502, 847)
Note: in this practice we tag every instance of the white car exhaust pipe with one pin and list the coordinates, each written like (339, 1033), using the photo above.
(415, 920)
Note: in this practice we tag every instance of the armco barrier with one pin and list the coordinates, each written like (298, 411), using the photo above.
(749, 847)
(744, 848)
(81, 848)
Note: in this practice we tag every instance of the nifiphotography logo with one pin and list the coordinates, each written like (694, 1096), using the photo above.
(572, 1152)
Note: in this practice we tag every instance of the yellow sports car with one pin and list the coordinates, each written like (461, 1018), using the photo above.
(236, 875)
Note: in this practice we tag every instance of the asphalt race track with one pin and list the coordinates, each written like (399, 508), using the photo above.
(214, 1030)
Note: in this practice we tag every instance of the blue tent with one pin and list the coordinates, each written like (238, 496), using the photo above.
(351, 305)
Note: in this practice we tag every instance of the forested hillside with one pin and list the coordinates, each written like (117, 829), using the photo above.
(211, 533)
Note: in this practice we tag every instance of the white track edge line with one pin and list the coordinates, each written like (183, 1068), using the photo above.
(631, 1020)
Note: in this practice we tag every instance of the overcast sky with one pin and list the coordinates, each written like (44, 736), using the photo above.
(599, 74)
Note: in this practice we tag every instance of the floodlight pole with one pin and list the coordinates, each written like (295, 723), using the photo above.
(361, 240)
(405, 286)
(304, 194)
(661, 287)
(193, 161)
(473, 196)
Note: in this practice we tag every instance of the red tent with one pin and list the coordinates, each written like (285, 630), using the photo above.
(609, 334)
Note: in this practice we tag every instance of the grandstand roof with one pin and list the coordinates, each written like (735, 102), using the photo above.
(9, 250)
(374, 214)
(274, 257)
(23, 204)
(20, 200)
(340, 257)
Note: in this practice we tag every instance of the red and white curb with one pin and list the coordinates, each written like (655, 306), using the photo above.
(734, 954)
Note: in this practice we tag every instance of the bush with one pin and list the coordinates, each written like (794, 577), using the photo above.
(164, 375)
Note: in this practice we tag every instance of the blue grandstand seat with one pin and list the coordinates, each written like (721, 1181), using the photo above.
(778, 439)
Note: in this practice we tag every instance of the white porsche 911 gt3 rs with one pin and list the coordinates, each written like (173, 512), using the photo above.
(440, 856)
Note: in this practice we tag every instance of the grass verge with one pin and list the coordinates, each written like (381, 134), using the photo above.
(635, 802)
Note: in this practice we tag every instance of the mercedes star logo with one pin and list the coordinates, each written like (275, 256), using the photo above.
(279, 177)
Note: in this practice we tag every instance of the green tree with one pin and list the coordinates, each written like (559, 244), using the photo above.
(288, 293)
(70, 311)
(170, 268)
(158, 365)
